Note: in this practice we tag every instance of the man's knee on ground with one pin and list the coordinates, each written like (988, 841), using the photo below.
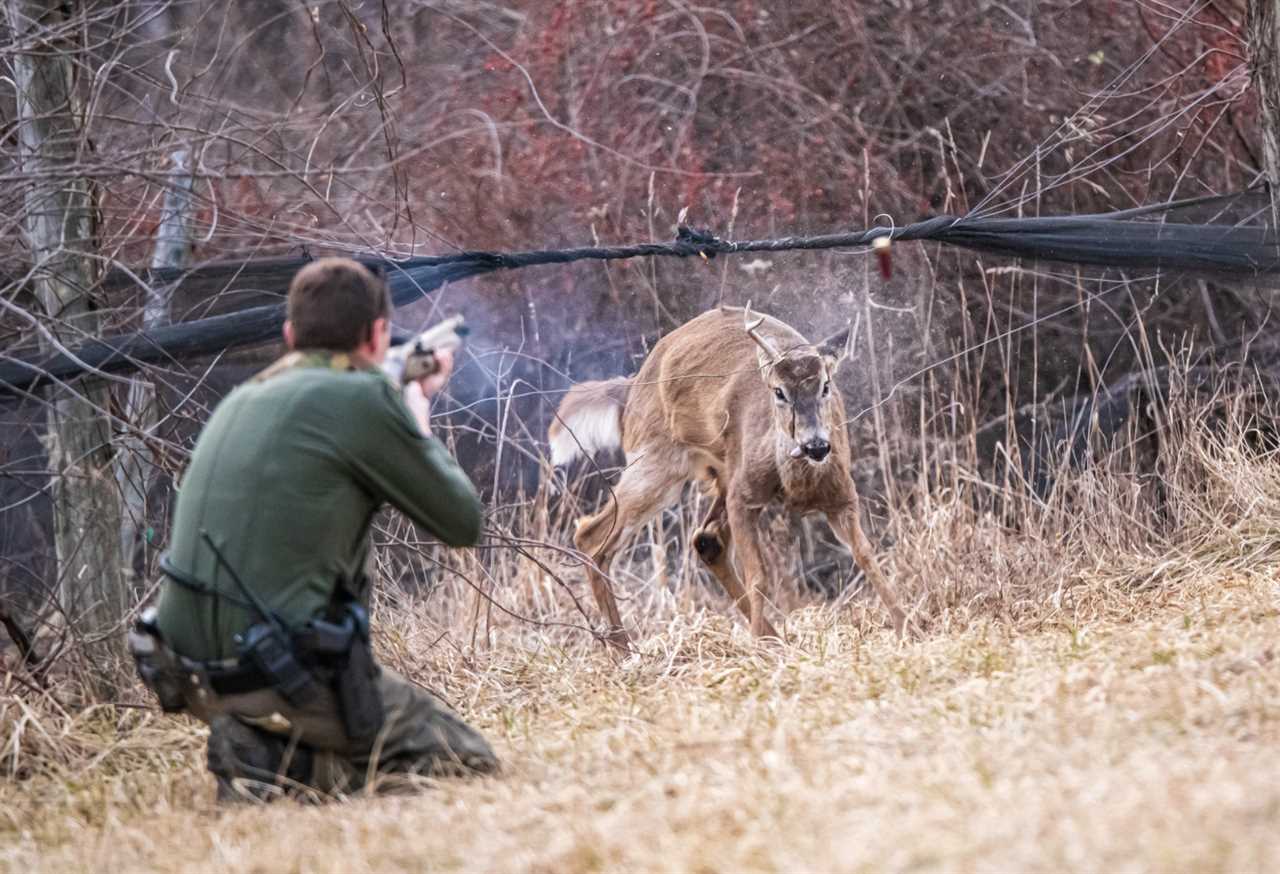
(252, 764)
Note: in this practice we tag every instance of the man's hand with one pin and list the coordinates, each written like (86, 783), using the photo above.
(418, 393)
(431, 385)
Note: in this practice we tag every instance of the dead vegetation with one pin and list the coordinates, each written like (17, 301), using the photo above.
(1095, 685)
(1094, 682)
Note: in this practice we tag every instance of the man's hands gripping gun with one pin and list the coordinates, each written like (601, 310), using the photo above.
(420, 357)
(422, 366)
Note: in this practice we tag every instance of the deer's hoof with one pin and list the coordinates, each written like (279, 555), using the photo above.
(768, 635)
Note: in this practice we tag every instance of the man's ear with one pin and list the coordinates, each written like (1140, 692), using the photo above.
(288, 334)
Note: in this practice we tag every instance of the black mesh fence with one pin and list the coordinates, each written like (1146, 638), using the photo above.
(1229, 235)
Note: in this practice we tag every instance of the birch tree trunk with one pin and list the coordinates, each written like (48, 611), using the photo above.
(1263, 34)
(59, 227)
(135, 468)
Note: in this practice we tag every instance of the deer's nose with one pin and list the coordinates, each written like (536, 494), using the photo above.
(817, 449)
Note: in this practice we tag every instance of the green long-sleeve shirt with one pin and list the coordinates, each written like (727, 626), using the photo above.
(286, 478)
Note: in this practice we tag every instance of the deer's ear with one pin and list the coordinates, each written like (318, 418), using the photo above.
(836, 348)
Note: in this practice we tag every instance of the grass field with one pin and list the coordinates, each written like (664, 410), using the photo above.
(1141, 743)
(1094, 686)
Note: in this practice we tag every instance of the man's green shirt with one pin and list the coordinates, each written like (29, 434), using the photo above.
(286, 479)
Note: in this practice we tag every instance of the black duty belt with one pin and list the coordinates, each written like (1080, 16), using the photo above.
(233, 679)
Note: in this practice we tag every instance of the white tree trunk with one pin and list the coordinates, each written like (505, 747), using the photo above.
(59, 226)
(135, 469)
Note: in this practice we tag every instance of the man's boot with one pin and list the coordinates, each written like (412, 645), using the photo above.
(462, 751)
(442, 744)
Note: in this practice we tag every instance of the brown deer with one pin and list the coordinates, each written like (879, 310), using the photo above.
(748, 406)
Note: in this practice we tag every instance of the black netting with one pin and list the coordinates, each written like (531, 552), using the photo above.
(1226, 235)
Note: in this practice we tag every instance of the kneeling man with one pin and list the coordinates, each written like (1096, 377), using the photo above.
(261, 627)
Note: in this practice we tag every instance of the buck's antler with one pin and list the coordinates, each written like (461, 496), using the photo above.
(754, 334)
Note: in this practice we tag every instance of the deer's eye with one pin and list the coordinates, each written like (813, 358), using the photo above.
(826, 389)
(780, 395)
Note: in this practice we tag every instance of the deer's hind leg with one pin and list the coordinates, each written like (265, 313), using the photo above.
(713, 542)
(648, 484)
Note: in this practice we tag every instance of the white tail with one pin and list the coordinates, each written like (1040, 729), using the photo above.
(588, 420)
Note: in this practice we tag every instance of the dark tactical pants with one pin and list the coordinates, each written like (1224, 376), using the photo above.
(260, 746)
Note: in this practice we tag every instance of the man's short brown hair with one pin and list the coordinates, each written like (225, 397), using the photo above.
(333, 303)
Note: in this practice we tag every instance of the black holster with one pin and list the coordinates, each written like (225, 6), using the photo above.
(343, 648)
(356, 683)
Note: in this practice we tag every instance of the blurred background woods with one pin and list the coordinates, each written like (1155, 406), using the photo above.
(189, 132)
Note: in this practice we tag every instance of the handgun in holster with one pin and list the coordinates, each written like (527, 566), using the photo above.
(345, 645)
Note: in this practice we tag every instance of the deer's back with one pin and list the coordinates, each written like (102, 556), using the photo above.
(701, 388)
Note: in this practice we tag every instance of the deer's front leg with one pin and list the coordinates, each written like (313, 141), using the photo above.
(848, 527)
(749, 535)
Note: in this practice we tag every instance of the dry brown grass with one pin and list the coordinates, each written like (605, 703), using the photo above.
(1132, 744)
(1095, 688)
